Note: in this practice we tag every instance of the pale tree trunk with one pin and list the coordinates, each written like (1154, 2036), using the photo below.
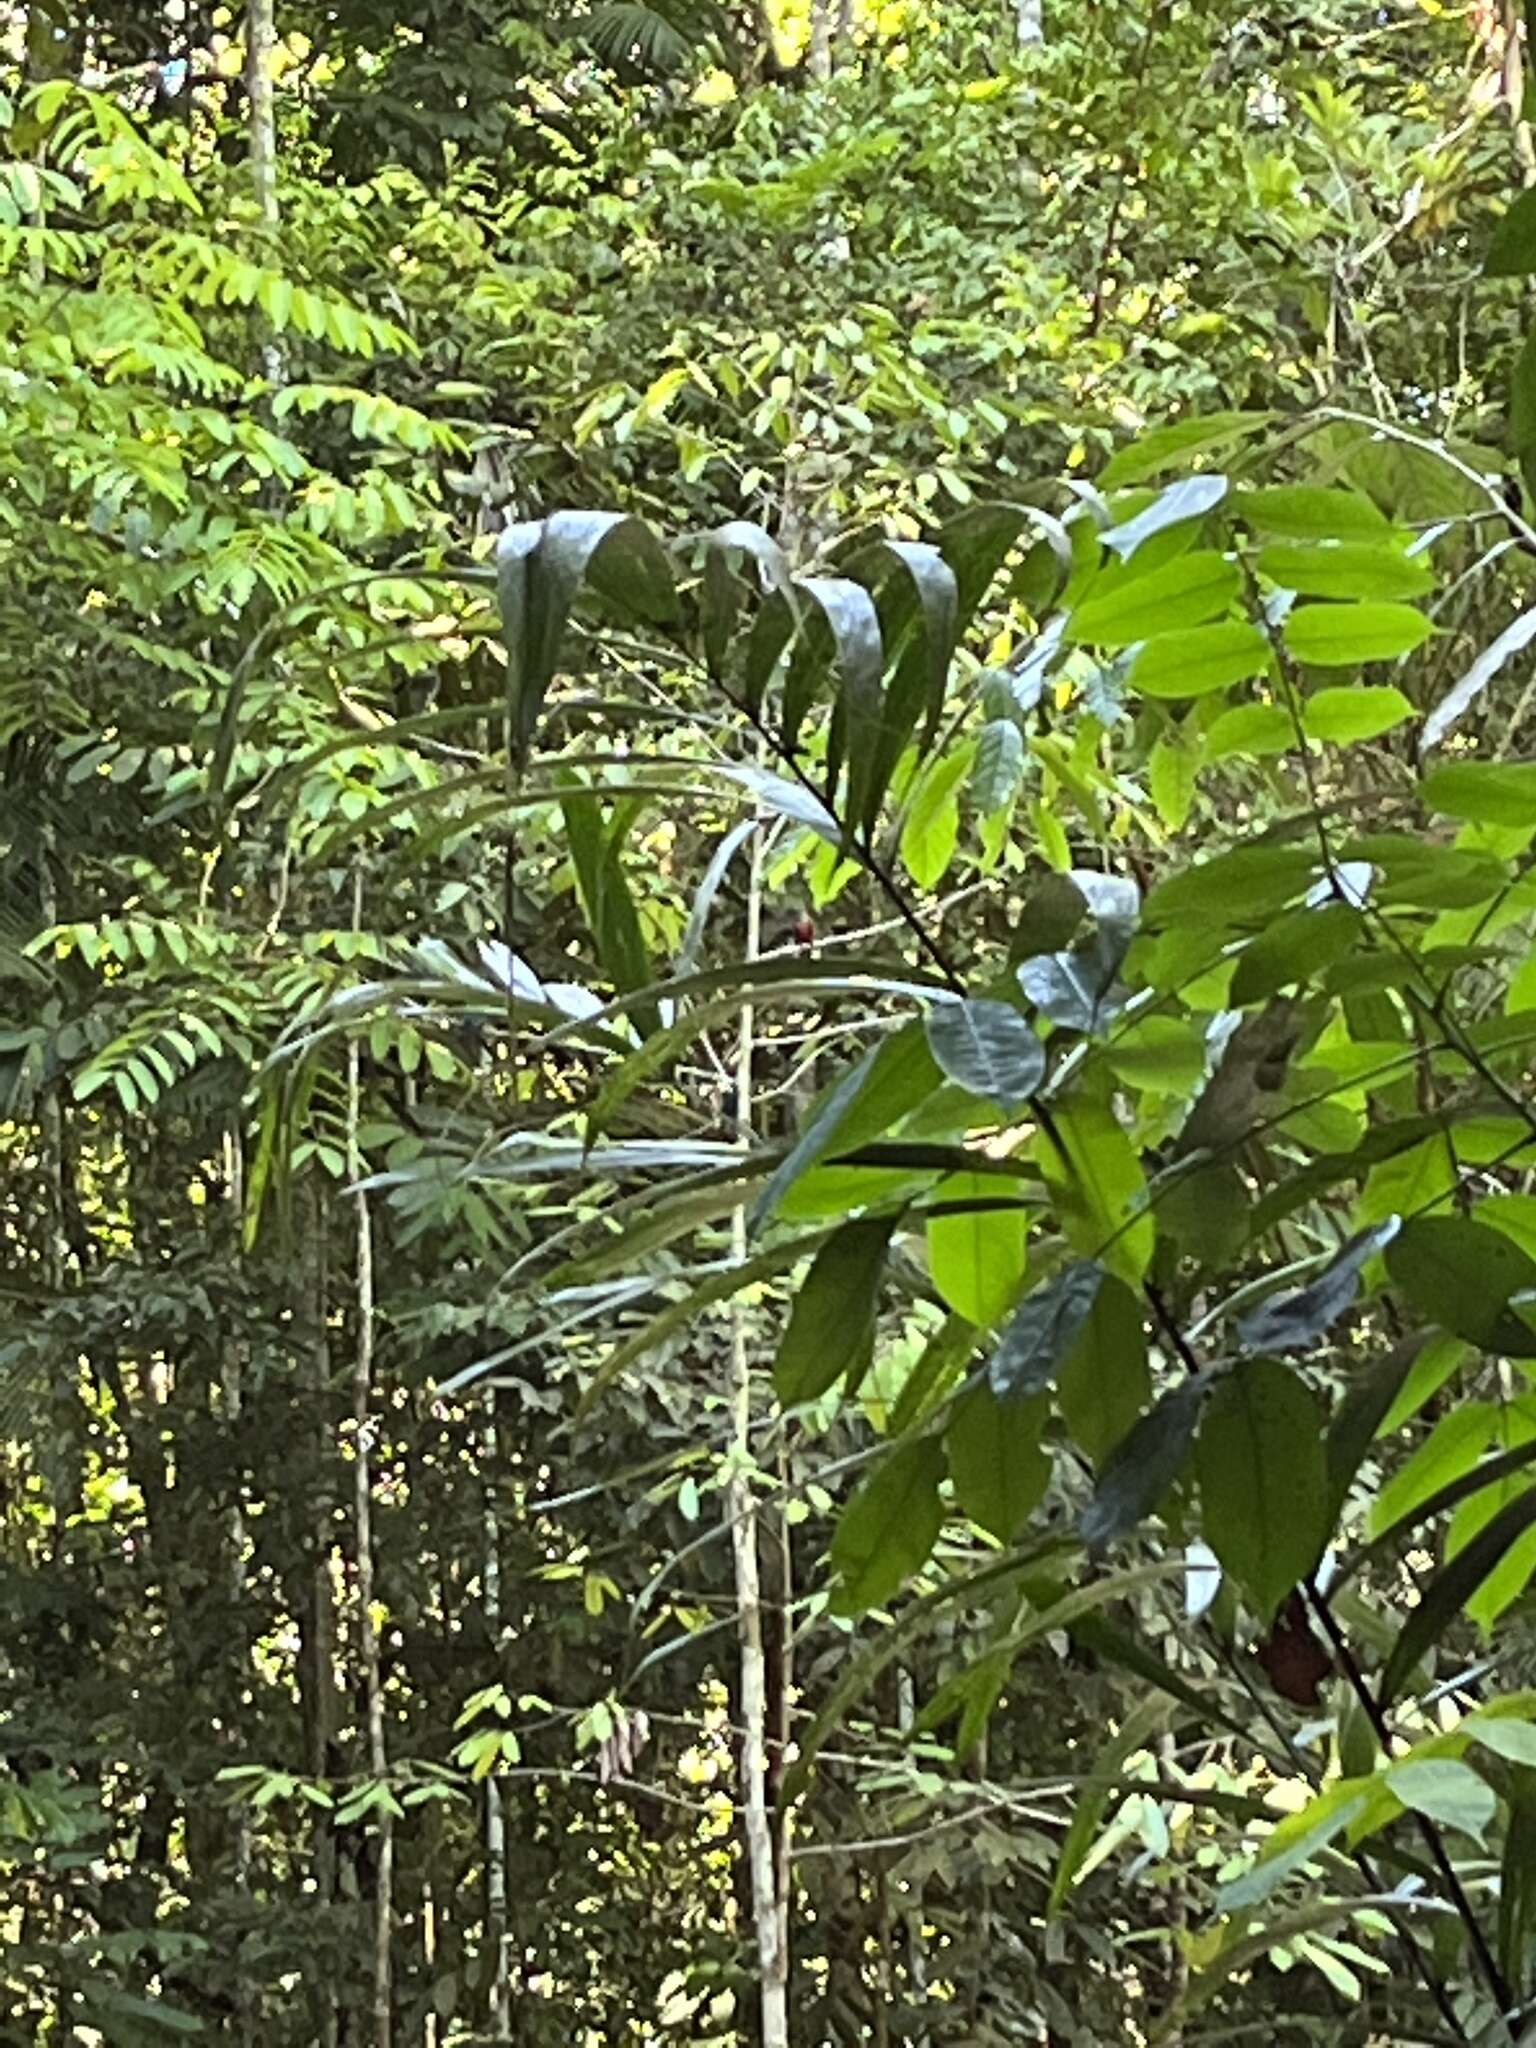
(367, 1627)
(319, 1653)
(764, 1865)
(1029, 23)
(500, 2014)
(260, 41)
(822, 22)
(233, 1389)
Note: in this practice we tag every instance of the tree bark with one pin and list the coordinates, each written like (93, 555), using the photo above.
(500, 2014)
(260, 39)
(819, 57)
(768, 1895)
(1029, 23)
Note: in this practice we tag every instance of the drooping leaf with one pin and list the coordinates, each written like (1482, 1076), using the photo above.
(888, 1528)
(607, 900)
(998, 768)
(1445, 1791)
(932, 829)
(1450, 1451)
(999, 1469)
(1143, 1465)
(830, 1322)
(1070, 989)
(1043, 1331)
(853, 627)
(1097, 1176)
(875, 1092)
(1344, 635)
(1295, 1320)
(989, 1048)
(1191, 498)
(1265, 1505)
(1370, 1399)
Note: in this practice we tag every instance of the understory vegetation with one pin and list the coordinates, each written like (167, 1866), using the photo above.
(767, 1024)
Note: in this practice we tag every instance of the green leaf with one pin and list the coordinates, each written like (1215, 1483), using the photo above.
(1191, 498)
(1161, 1055)
(1245, 886)
(1450, 1451)
(1462, 1275)
(1504, 1479)
(1512, 252)
(1106, 1382)
(854, 628)
(998, 768)
(1143, 1465)
(1448, 1592)
(1298, 1840)
(1488, 792)
(1342, 635)
(932, 829)
(999, 1470)
(829, 1326)
(607, 902)
(1359, 1417)
(1160, 447)
(1250, 731)
(1194, 663)
(1447, 1792)
(1360, 712)
(1266, 1510)
(1349, 569)
(1096, 1174)
(1043, 1331)
(989, 1048)
(1295, 949)
(976, 1253)
(1172, 772)
(888, 1528)
(1312, 512)
(823, 1132)
(1120, 609)
(1517, 1885)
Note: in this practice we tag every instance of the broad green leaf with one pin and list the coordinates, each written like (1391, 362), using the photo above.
(1106, 1382)
(1266, 1508)
(1450, 1451)
(1513, 1740)
(1361, 712)
(976, 1253)
(1358, 1417)
(1514, 1217)
(1096, 1174)
(1043, 1330)
(1194, 663)
(978, 541)
(998, 768)
(999, 1470)
(932, 829)
(1172, 772)
(879, 1089)
(1462, 1275)
(1505, 1478)
(1512, 251)
(888, 1528)
(1191, 498)
(1250, 731)
(1298, 1840)
(1162, 1055)
(1447, 1593)
(1447, 1792)
(1489, 792)
(1344, 635)
(1120, 609)
(989, 1048)
(1161, 447)
(1517, 1885)
(1348, 569)
(1434, 1363)
(1143, 1465)
(1312, 512)
(1243, 887)
(1294, 950)
(829, 1326)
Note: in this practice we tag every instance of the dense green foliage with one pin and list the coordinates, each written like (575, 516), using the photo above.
(770, 1248)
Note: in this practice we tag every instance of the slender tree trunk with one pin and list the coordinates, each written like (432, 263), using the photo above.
(318, 1657)
(769, 1905)
(367, 1627)
(234, 1392)
(823, 21)
(495, 1798)
(260, 39)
